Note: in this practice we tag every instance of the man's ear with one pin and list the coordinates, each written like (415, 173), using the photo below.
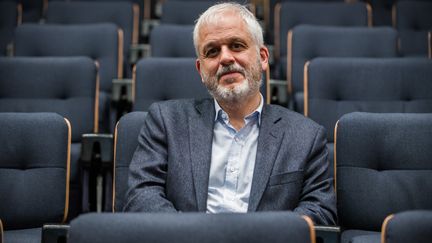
(264, 57)
(198, 67)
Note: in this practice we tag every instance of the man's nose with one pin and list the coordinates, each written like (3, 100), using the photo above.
(227, 57)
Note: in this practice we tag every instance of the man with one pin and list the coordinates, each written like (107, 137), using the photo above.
(232, 153)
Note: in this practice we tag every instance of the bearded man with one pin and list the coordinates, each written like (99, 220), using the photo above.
(232, 153)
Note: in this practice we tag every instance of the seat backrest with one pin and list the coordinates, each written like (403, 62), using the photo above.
(383, 166)
(66, 86)
(308, 42)
(124, 14)
(336, 86)
(183, 12)
(290, 14)
(125, 143)
(409, 226)
(100, 42)
(34, 169)
(10, 17)
(413, 20)
(192, 227)
(158, 79)
(168, 40)
(139, 3)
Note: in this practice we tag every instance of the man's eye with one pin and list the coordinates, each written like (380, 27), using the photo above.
(211, 52)
(237, 46)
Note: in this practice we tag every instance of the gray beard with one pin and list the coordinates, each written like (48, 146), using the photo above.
(232, 96)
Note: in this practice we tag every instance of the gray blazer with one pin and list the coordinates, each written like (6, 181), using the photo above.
(170, 168)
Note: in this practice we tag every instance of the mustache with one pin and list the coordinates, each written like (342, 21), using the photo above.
(229, 69)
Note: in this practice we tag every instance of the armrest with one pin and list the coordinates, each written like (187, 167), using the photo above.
(54, 233)
(97, 146)
(148, 24)
(122, 96)
(327, 234)
(122, 90)
(96, 167)
(138, 51)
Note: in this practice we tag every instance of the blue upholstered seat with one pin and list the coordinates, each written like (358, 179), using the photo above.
(383, 167)
(126, 141)
(168, 40)
(34, 173)
(290, 14)
(408, 226)
(183, 12)
(124, 14)
(191, 227)
(160, 79)
(66, 86)
(309, 42)
(413, 20)
(101, 42)
(336, 86)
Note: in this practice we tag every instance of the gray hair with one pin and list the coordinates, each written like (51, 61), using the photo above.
(215, 11)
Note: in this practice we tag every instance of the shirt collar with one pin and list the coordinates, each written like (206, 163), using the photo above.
(257, 112)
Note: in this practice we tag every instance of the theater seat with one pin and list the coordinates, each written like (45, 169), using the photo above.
(126, 141)
(65, 85)
(383, 167)
(100, 42)
(408, 226)
(308, 42)
(183, 12)
(124, 14)
(158, 79)
(34, 173)
(289, 14)
(172, 41)
(413, 20)
(192, 227)
(337, 86)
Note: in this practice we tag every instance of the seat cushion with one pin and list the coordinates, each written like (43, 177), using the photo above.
(33, 235)
(360, 236)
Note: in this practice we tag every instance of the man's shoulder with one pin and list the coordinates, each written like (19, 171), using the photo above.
(180, 106)
(291, 118)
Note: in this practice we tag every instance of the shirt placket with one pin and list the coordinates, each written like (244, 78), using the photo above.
(232, 169)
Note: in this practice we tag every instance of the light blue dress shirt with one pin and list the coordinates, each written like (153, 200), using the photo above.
(232, 162)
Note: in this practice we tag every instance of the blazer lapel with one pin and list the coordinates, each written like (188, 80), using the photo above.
(200, 141)
(269, 142)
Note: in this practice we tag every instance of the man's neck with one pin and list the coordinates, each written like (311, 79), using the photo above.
(238, 110)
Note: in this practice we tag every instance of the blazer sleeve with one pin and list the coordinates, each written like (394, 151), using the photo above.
(148, 168)
(318, 199)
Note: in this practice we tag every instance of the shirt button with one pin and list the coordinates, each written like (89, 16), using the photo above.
(232, 169)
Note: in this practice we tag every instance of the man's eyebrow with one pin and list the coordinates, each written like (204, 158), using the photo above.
(229, 40)
(209, 44)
